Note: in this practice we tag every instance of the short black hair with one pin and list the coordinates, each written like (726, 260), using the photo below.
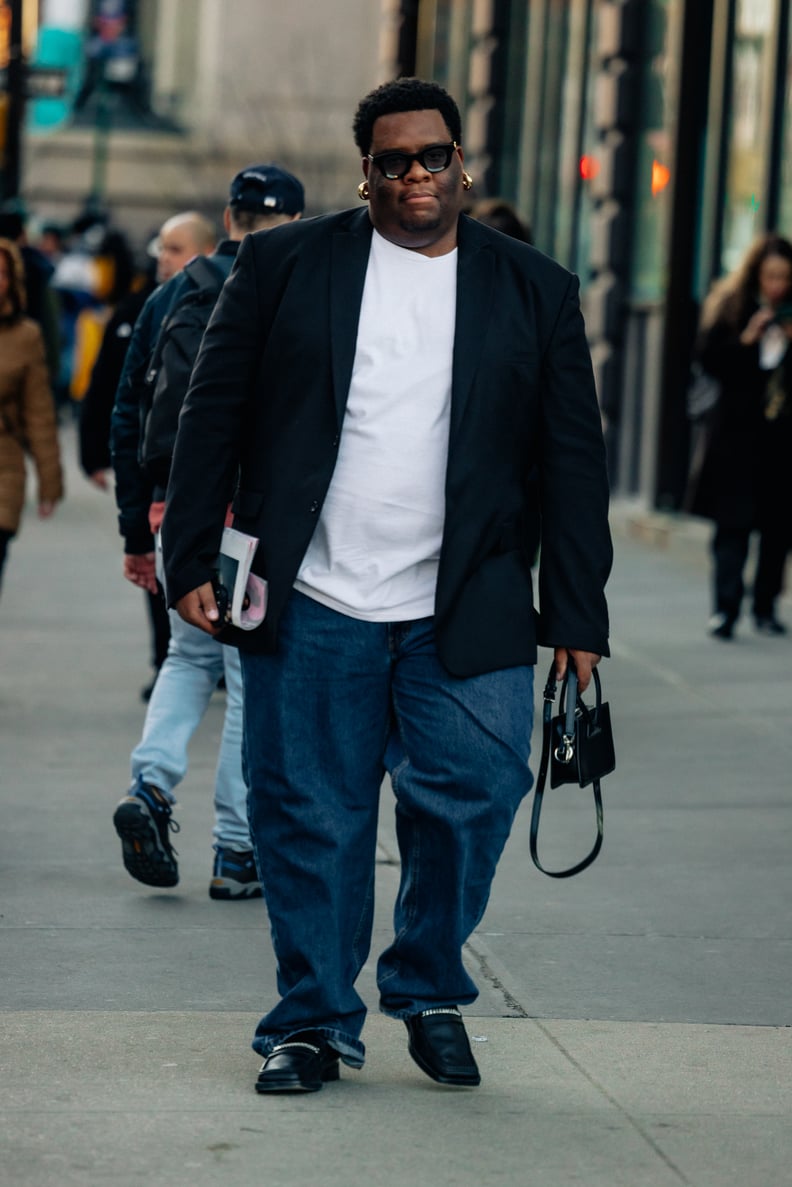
(404, 94)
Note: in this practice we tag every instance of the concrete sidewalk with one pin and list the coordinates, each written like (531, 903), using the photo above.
(633, 1023)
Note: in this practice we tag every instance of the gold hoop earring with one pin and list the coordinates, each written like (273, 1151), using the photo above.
(363, 191)
(467, 181)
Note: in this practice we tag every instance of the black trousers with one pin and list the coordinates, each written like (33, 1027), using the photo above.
(730, 551)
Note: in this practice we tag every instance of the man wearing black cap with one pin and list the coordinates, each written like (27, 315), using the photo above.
(264, 190)
(260, 197)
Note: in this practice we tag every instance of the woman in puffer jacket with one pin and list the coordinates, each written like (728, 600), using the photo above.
(27, 410)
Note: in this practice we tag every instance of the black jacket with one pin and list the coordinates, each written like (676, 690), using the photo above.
(134, 491)
(739, 471)
(97, 405)
(263, 417)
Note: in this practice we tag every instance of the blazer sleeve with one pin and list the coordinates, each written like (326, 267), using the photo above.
(211, 424)
(576, 550)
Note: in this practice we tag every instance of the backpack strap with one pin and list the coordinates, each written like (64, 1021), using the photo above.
(207, 276)
(208, 273)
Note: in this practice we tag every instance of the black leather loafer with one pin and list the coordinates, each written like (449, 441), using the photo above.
(440, 1046)
(302, 1064)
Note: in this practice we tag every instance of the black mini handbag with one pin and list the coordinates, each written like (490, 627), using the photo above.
(577, 746)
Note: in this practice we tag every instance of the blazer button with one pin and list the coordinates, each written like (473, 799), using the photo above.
(336, 441)
(314, 507)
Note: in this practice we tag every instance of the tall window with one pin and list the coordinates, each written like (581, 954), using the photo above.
(573, 167)
(587, 160)
(123, 45)
(785, 197)
(749, 128)
(654, 157)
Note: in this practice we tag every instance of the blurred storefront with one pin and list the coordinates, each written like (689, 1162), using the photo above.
(647, 142)
(164, 100)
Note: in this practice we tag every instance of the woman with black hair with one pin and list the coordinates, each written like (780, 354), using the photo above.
(743, 483)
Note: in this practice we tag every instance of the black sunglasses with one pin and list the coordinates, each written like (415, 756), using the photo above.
(433, 159)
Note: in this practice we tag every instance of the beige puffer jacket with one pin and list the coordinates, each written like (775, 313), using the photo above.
(27, 421)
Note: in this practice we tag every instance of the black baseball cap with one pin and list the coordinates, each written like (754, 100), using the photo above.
(267, 188)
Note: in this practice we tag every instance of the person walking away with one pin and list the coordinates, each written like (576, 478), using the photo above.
(27, 409)
(743, 341)
(261, 197)
(181, 237)
(372, 391)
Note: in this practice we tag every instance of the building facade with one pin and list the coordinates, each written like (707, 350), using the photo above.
(647, 142)
(174, 96)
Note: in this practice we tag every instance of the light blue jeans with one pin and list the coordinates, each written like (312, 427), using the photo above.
(339, 703)
(181, 694)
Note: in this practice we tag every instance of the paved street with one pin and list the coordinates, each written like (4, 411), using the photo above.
(634, 1023)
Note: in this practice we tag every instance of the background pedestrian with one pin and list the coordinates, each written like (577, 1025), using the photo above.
(27, 410)
(742, 483)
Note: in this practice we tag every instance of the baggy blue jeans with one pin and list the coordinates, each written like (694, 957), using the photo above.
(338, 704)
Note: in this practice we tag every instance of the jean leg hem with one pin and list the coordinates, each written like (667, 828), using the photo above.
(155, 781)
(421, 1004)
(351, 1050)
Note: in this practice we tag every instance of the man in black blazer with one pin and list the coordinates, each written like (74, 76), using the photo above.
(375, 394)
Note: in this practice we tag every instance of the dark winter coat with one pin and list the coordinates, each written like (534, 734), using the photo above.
(739, 479)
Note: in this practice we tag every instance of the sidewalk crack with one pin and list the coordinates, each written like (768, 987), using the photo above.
(494, 981)
(632, 1121)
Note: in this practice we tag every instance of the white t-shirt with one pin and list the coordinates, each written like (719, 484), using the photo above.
(376, 547)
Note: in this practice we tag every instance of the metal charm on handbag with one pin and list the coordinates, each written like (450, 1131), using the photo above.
(577, 746)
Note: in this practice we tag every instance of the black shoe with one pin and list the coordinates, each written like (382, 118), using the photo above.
(769, 626)
(142, 821)
(439, 1045)
(303, 1063)
(234, 875)
(721, 626)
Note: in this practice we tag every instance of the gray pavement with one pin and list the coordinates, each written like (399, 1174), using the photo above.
(633, 1025)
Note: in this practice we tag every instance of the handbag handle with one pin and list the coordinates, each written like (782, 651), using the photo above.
(574, 701)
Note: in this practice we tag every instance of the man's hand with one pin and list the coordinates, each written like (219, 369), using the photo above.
(99, 479)
(756, 327)
(199, 608)
(585, 662)
(155, 517)
(140, 571)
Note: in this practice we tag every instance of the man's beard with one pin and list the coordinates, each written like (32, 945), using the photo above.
(419, 225)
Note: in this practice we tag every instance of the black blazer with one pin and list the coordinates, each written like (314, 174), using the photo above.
(262, 422)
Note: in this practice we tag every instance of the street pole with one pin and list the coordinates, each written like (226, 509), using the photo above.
(12, 169)
(102, 127)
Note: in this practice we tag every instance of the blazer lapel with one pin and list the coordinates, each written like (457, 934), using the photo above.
(349, 260)
(475, 276)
